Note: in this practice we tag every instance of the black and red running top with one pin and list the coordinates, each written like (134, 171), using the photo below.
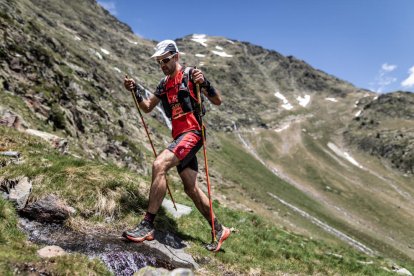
(181, 121)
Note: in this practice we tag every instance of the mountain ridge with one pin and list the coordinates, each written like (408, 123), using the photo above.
(61, 70)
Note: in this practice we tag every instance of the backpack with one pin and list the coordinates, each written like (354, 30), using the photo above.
(187, 99)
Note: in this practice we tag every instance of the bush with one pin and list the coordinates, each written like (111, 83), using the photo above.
(57, 117)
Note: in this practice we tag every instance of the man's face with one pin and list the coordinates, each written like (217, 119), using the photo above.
(168, 63)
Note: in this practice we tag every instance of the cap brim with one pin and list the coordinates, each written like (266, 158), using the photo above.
(159, 53)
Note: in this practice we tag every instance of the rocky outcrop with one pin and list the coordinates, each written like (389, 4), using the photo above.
(383, 129)
(16, 190)
(152, 271)
(49, 209)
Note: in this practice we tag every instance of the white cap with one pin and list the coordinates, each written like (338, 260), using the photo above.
(164, 47)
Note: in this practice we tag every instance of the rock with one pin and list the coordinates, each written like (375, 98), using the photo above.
(173, 248)
(16, 190)
(16, 65)
(181, 209)
(14, 154)
(9, 119)
(49, 209)
(152, 271)
(182, 272)
(57, 142)
(51, 251)
(403, 271)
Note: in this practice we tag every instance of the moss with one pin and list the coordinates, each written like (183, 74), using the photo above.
(42, 54)
(57, 117)
(16, 48)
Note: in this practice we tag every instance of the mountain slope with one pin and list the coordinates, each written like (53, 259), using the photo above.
(285, 143)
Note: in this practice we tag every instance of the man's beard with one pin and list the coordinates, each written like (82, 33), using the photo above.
(168, 70)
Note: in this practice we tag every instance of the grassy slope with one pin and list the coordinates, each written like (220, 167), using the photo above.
(362, 202)
(257, 244)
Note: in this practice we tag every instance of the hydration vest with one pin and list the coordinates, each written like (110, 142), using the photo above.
(187, 99)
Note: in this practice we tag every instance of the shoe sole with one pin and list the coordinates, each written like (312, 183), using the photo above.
(226, 234)
(148, 237)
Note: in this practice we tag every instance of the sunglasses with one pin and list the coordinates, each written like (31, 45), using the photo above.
(165, 60)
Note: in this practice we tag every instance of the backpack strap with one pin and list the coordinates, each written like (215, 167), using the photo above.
(164, 83)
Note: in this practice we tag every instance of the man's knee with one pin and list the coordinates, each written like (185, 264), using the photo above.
(191, 191)
(159, 166)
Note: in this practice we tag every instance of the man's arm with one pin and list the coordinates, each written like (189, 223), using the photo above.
(212, 94)
(144, 105)
(148, 105)
(214, 99)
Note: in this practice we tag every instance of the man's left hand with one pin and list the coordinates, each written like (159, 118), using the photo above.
(198, 76)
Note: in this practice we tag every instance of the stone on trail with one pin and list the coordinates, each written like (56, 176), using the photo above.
(181, 209)
(51, 251)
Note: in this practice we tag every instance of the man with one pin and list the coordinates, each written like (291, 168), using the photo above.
(175, 95)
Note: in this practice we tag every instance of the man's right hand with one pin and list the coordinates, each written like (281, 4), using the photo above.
(129, 84)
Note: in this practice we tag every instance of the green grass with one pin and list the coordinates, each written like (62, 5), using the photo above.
(98, 190)
(256, 244)
(18, 256)
(309, 162)
(235, 164)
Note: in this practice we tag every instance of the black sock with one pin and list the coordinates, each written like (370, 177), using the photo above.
(149, 217)
(217, 225)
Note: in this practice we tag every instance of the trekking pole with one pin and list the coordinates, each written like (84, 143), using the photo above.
(150, 140)
(205, 161)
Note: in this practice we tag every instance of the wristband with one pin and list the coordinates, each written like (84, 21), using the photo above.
(138, 93)
(211, 92)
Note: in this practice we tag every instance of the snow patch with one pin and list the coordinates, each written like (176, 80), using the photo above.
(303, 101)
(132, 42)
(106, 52)
(219, 48)
(230, 41)
(222, 54)
(200, 38)
(77, 38)
(332, 100)
(286, 105)
(98, 55)
(200, 55)
(344, 155)
(117, 69)
(358, 113)
(282, 128)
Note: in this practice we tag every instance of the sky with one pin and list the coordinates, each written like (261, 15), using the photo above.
(369, 43)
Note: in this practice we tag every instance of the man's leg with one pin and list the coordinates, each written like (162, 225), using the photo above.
(165, 161)
(145, 229)
(201, 201)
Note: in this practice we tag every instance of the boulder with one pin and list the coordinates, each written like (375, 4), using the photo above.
(181, 209)
(49, 209)
(10, 119)
(51, 251)
(152, 271)
(16, 190)
(57, 142)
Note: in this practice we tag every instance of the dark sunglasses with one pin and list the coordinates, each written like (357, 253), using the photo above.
(165, 60)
